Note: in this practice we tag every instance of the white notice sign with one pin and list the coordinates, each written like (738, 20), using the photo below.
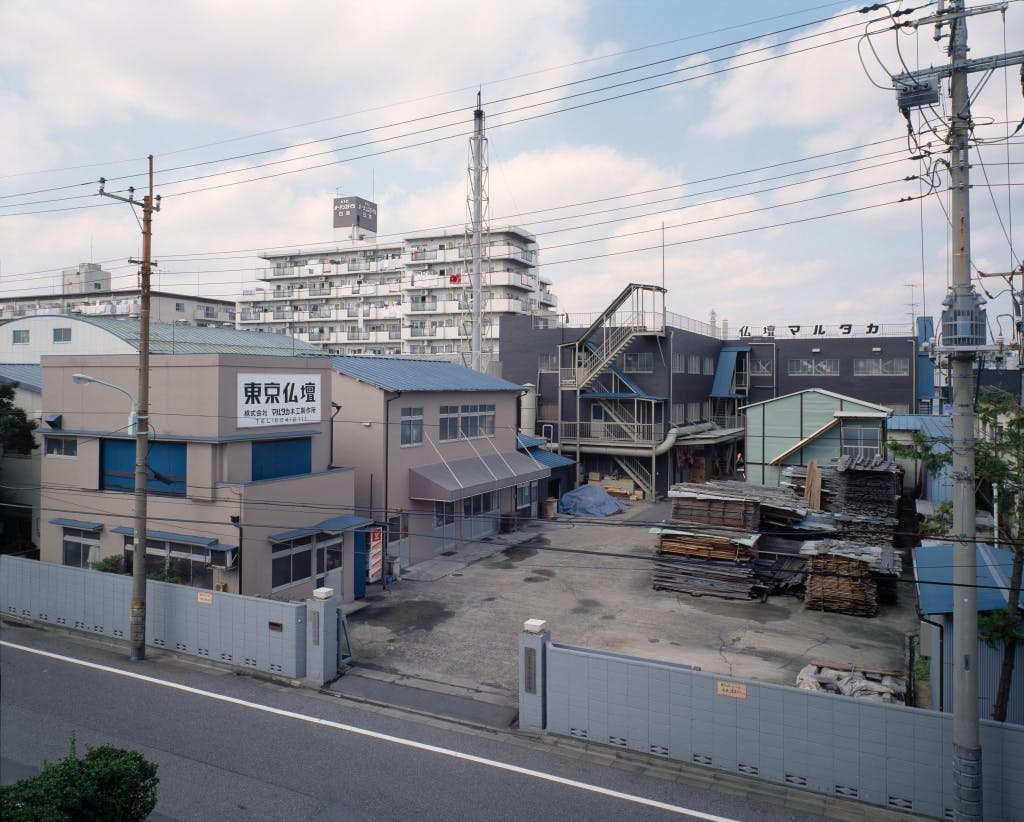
(278, 399)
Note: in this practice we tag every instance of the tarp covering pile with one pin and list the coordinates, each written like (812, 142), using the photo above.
(589, 501)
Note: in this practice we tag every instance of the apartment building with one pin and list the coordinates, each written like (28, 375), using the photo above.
(409, 296)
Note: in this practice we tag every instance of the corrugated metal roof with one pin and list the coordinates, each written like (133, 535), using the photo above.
(29, 377)
(165, 338)
(549, 459)
(408, 374)
(931, 425)
(933, 567)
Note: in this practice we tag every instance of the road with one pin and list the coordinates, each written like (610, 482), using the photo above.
(235, 747)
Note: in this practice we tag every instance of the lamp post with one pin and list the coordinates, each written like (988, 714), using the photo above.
(139, 429)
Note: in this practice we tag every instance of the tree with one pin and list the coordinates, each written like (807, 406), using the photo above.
(998, 461)
(16, 429)
(107, 783)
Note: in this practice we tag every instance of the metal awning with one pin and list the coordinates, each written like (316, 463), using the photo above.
(451, 481)
(80, 524)
(210, 543)
(713, 437)
(332, 525)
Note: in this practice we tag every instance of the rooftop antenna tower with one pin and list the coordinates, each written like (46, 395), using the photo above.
(477, 209)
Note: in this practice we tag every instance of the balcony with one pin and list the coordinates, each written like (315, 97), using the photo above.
(249, 316)
(423, 254)
(426, 305)
(320, 291)
(357, 335)
(611, 433)
(547, 298)
(282, 314)
(358, 265)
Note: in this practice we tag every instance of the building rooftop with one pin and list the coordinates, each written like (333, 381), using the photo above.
(27, 375)
(411, 374)
(166, 338)
(933, 568)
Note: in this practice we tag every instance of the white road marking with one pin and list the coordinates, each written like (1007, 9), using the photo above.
(397, 740)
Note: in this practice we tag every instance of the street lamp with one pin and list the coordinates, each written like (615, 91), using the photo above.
(139, 428)
(85, 379)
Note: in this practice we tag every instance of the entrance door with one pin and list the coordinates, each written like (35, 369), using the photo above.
(444, 527)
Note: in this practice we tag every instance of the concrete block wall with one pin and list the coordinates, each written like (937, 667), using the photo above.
(887, 755)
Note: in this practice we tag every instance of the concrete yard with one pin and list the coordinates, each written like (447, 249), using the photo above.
(451, 623)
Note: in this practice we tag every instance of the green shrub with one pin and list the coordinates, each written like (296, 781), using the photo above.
(114, 564)
(107, 783)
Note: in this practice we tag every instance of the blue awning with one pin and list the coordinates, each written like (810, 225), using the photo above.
(82, 525)
(549, 459)
(343, 523)
(725, 371)
(185, 539)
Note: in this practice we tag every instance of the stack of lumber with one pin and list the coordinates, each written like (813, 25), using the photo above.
(705, 577)
(866, 487)
(842, 575)
(706, 543)
(777, 507)
(782, 573)
(699, 506)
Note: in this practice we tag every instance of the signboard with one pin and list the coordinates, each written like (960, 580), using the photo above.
(204, 597)
(375, 554)
(737, 690)
(278, 399)
(823, 330)
(355, 211)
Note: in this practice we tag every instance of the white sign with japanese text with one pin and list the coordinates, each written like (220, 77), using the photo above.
(278, 399)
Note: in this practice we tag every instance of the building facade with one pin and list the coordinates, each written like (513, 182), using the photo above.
(643, 393)
(435, 448)
(410, 296)
(241, 493)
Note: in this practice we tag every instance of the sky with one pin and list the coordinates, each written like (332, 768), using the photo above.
(750, 156)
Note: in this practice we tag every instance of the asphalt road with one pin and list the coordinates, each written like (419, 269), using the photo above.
(233, 747)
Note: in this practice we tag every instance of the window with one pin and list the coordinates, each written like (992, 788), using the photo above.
(179, 562)
(881, 367)
(476, 420)
(179, 307)
(693, 412)
(678, 362)
(709, 365)
(814, 367)
(61, 335)
(861, 440)
(81, 547)
(693, 364)
(638, 362)
(761, 368)
(449, 422)
(678, 412)
(526, 494)
(291, 562)
(478, 505)
(272, 459)
(19, 336)
(547, 362)
(166, 467)
(412, 426)
(61, 447)
(444, 514)
(398, 528)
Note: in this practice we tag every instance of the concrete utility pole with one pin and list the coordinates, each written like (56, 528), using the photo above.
(477, 196)
(138, 603)
(963, 336)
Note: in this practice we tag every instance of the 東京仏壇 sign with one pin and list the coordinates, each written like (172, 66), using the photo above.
(278, 399)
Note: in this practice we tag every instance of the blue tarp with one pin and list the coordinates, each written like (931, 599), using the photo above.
(589, 501)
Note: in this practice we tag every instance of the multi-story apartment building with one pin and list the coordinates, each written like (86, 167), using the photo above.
(410, 296)
(89, 295)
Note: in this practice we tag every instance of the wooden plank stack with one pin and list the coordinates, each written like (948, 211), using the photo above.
(842, 575)
(704, 577)
(706, 543)
(714, 509)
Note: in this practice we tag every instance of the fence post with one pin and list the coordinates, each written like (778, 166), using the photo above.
(322, 636)
(533, 641)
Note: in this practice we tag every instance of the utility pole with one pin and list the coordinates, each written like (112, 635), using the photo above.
(476, 204)
(137, 648)
(963, 336)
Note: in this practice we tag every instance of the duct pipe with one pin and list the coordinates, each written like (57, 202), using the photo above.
(528, 422)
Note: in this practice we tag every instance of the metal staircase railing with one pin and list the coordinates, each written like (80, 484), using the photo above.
(638, 472)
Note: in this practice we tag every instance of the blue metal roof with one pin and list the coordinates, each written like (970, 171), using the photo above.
(933, 567)
(343, 523)
(407, 374)
(29, 377)
(725, 370)
(80, 524)
(525, 441)
(211, 543)
(534, 447)
(934, 426)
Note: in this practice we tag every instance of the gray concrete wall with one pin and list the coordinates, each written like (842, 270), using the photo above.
(886, 755)
(247, 632)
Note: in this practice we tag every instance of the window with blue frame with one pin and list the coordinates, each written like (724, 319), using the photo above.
(165, 464)
(273, 459)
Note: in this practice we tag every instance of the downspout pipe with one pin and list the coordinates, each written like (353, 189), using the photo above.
(387, 448)
(942, 661)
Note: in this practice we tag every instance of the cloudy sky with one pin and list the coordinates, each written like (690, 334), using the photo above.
(750, 153)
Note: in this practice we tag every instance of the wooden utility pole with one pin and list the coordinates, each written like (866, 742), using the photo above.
(137, 623)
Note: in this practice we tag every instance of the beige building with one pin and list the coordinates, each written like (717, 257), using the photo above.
(241, 495)
(435, 448)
